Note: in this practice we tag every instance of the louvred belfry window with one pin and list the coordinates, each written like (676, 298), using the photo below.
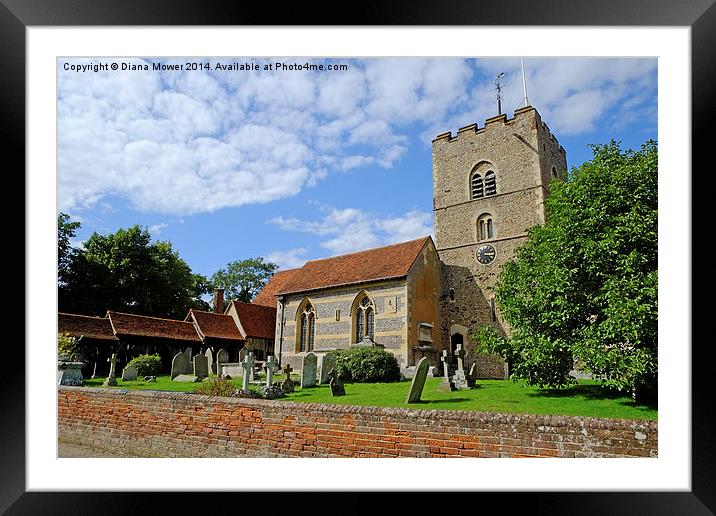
(477, 187)
(490, 183)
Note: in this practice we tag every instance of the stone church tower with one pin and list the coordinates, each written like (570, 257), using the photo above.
(489, 187)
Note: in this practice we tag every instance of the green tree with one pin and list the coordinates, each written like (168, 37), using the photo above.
(584, 285)
(125, 271)
(66, 230)
(243, 280)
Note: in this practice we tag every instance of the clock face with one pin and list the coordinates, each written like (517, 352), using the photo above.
(486, 254)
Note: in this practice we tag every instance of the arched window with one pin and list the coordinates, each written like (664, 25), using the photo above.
(490, 183)
(364, 317)
(476, 187)
(307, 327)
(485, 227)
(554, 172)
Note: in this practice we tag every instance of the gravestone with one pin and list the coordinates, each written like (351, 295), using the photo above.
(210, 364)
(325, 364)
(232, 369)
(187, 352)
(180, 365)
(271, 366)
(248, 365)
(418, 382)
(447, 385)
(222, 357)
(460, 379)
(129, 373)
(288, 384)
(337, 388)
(242, 353)
(112, 378)
(69, 373)
(473, 373)
(201, 366)
(187, 378)
(308, 370)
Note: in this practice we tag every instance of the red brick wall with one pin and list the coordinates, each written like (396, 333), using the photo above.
(170, 424)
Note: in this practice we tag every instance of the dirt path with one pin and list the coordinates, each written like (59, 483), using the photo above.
(67, 450)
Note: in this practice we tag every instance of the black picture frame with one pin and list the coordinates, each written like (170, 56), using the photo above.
(17, 15)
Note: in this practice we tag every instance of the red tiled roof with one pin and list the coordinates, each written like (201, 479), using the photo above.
(393, 261)
(256, 320)
(267, 297)
(144, 326)
(85, 326)
(217, 326)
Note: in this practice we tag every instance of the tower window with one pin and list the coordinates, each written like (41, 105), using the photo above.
(485, 227)
(452, 294)
(490, 183)
(554, 172)
(477, 187)
(493, 309)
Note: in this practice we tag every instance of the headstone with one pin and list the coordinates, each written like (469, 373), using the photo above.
(287, 385)
(447, 385)
(242, 353)
(473, 373)
(129, 373)
(337, 388)
(94, 371)
(308, 371)
(70, 373)
(460, 379)
(201, 366)
(325, 364)
(248, 365)
(180, 365)
(187, 378)
(112, 378)
(271, 366)
(232, 369)
(210, 364)
(418, 382)
(222, 357)
(435, 371)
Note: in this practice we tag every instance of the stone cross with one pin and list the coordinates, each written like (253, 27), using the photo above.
(112, 378)
(248, 365)
(460, 354)
(287, 370)
(445, 361)
(270, 367)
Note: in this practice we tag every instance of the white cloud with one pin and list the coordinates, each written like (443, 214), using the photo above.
(288, 259)
(156, 229)
(198, 142)
(352, 229)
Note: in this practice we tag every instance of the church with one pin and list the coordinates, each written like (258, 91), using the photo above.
(418, 298)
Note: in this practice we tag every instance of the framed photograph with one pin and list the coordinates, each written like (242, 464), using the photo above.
(648, 69)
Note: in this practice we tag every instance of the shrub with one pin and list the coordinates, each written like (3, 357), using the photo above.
(215, 387)
(147, 365)
(68, 346)
(366, 365)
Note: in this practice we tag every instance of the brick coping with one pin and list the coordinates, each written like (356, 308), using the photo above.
(435, 414)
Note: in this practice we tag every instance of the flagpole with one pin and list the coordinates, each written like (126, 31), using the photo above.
(524, 82)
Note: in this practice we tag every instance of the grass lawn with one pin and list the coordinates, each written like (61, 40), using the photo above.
(583, 399)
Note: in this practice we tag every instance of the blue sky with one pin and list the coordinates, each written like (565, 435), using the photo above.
(297, 165)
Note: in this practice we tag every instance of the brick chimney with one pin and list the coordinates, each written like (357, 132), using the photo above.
(219, 300)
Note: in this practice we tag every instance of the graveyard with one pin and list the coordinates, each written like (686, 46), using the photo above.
(453, 390)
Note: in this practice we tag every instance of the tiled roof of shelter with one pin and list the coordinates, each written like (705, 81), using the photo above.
(256, 320)
(145, 326)
(267, 297)
(217, 326)
(85, 326)
(393, 261)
